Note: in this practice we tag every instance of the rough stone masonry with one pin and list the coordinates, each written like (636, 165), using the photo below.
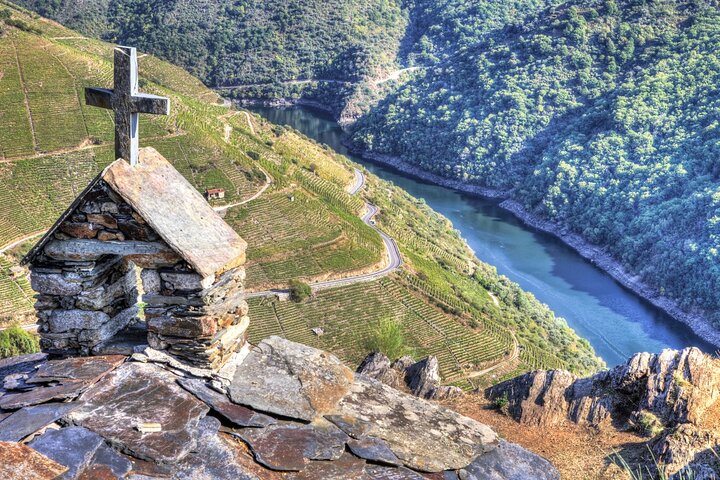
(140, 247)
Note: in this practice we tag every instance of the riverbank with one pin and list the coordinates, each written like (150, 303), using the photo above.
(282, 103)
(592, 253)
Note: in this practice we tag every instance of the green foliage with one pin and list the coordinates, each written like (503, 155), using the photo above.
(501, 403)
(649, 424)
(230, 42)
(16, 341)
(22, 26)
(299, 290)
(601, 116)
(388, 338)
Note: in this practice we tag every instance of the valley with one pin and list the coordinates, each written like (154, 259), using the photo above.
(305, 223)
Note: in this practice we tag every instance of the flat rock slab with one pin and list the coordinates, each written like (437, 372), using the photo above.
(510, 462)
(289, 447)
(214, 458)
(11, 401)
(29, 420)
(20, 462)
(373, 449)
(235, 413)
(379, 472)
(137, 393)
(290, 379)
(86, 369)
(69, 378)
(345, 468)
(20, 366)
(83, 452)
(424, 436)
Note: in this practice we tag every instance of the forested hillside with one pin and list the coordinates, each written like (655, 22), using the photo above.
(231, 42)
(601, 115)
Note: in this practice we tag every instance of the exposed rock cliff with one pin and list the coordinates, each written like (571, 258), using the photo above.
(673, 397)
(288, 411)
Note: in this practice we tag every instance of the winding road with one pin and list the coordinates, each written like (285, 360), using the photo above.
(391, 247)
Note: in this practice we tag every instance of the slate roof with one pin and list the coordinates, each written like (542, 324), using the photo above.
(175, 210)
(361, 429)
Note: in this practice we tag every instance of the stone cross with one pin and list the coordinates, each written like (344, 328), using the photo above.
(127, 103)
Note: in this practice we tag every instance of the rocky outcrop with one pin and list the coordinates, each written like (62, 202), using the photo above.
(421, 378)
(673, 396)
(292, 412)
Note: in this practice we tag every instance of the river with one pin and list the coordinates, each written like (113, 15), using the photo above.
(617, 322)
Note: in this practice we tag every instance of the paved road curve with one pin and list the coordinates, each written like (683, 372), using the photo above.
(391, 247)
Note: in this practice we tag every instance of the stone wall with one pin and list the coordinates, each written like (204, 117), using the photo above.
(105, 269)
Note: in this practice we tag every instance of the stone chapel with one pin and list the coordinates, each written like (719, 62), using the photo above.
(139, 257)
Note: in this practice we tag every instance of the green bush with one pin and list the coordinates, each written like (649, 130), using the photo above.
(502, 402)
(649, 424)
(299, 291)
(387, 337)
(16, 341)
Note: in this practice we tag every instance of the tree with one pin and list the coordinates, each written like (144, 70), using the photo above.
(299, 290)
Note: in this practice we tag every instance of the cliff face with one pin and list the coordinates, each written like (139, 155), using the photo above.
(674, 397)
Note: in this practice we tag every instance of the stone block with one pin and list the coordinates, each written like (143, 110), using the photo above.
(55, 284)
(183, 327)
(185, 281)
(105, 236)
(134, 230)
(150, 281)
(109, 328)
(103, 219)
(109, 207)
(64, 320)
(80, 230)
(79, 249)
(100, 297)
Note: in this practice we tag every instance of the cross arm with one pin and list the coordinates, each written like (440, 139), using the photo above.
(147, 103)
(99, 97)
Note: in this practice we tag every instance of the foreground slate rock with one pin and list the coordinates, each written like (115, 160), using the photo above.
(373, 449)
(20, 462)
(289, 447)
(39, 395)
(421, 378)
(66, 378)
(214, 457)
(424, 436)
(29, 420)
(676, 386)
(142, 393)
(290, 379)
(510, 462)
(237, 414)
(346, 467)
(83, 452)
(86, 369)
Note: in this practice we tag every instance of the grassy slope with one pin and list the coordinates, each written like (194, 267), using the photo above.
(442, 297)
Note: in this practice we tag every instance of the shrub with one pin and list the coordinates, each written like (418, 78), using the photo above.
(387, 337)
(16, 341)
(502, 402)
(299, 291)
(254, 155)
(649, 424)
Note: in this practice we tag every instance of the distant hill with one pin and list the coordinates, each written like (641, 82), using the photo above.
(302, 225)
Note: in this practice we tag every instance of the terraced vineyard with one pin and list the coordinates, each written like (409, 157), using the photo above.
(292, 233)
(15, 288)
(428, 331)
